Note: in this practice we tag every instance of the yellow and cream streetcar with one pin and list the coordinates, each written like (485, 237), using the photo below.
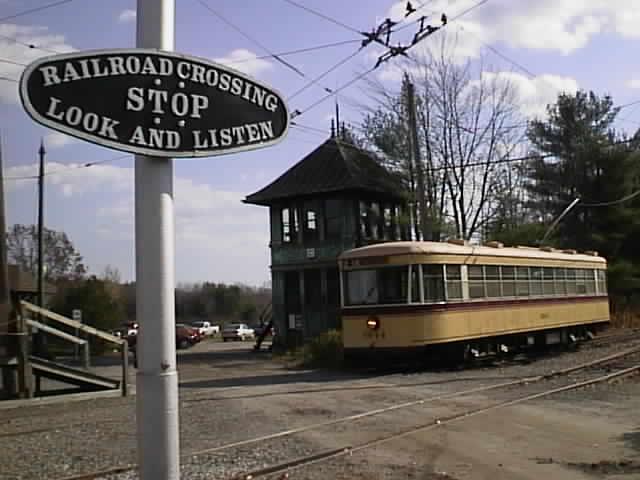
(457, 301)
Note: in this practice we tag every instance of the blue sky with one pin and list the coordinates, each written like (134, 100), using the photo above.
(563, 44)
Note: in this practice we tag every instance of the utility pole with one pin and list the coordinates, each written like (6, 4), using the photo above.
(421, 215)
(40, 340)
(157, 375)
(5, 301)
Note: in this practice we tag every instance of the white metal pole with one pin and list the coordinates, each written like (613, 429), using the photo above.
(157, 377)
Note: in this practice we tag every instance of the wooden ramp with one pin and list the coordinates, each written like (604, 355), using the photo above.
(80, 380)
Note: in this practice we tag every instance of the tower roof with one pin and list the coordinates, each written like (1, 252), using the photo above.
(334, 166)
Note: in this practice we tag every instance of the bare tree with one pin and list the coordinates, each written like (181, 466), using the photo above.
(468, 124)
(61, 260)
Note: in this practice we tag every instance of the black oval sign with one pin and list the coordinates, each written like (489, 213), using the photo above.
(153, 102)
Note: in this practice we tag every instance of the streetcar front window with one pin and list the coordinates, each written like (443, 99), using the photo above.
(381, 286)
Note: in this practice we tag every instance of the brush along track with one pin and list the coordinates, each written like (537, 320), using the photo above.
(612, 362)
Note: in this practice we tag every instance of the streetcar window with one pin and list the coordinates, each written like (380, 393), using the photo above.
(602, 281)
(522, 281)
(361, 287)
(476, 282)
(492, 277)
(571, 281)
(581, 282)
(380, 286)
(454, 281)
(547, 279)
(559, 281)
(415, 284)
(508, 281)
(433, 281)
(590, 281)
(536, 280)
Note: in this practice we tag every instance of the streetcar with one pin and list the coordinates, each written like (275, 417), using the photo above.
(453, 301)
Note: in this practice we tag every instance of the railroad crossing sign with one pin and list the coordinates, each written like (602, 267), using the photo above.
(153, 102)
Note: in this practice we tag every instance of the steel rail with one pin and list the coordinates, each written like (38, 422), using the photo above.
(378, 411)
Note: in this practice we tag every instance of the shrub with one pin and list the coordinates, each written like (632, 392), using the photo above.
(324, 351)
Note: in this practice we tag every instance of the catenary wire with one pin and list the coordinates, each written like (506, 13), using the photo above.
(626, 198)
(6, 60)
(250, 38)
(367, 72)
(34, 10)
(29, 45)
(322, 15)
(69, 168)
(500, 54)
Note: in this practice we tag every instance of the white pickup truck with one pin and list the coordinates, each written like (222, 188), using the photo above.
(206, 328)
(237, 331)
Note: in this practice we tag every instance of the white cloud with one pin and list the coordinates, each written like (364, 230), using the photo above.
(534, 94)
(212, 226)
(245, 61)
(127, 16)
(22, 54)
(634, 83)
(558, 25)
(58, 140)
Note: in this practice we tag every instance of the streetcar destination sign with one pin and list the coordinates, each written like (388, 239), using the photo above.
(153, 102)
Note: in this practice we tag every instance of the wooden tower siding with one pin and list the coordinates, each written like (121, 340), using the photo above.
(326, 191)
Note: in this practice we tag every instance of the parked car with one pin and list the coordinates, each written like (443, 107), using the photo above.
(186, 336)
(237, 331)
(206, 328)
(131, 328)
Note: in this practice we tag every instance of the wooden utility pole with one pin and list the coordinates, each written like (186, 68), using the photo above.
(421, 214)
(5, 302)
(39, 340)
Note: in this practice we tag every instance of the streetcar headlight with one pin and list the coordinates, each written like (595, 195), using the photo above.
(373, 323)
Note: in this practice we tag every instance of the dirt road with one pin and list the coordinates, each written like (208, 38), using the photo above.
(231, 395)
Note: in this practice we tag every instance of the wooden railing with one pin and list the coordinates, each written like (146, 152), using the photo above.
(24, 323)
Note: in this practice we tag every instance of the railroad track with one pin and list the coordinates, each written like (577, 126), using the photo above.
(604, 369)
(605, 339)
(613, 337)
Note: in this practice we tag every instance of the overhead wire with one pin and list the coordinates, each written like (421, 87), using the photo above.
(297, 113)
(322, 15)
(69, 168)
(294, 52)
(626, 198)
(250, 38)
(28, 45)
(500, 54)
(6, 60)
(34, 10)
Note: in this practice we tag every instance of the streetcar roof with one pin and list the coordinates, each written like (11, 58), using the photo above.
(445, 248)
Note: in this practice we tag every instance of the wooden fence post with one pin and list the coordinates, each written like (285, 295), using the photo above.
(25, 375)
(125, 368)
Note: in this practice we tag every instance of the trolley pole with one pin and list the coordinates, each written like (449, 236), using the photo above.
(157, 377)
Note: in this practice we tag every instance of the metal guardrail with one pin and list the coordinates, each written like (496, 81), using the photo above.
(83, 328)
